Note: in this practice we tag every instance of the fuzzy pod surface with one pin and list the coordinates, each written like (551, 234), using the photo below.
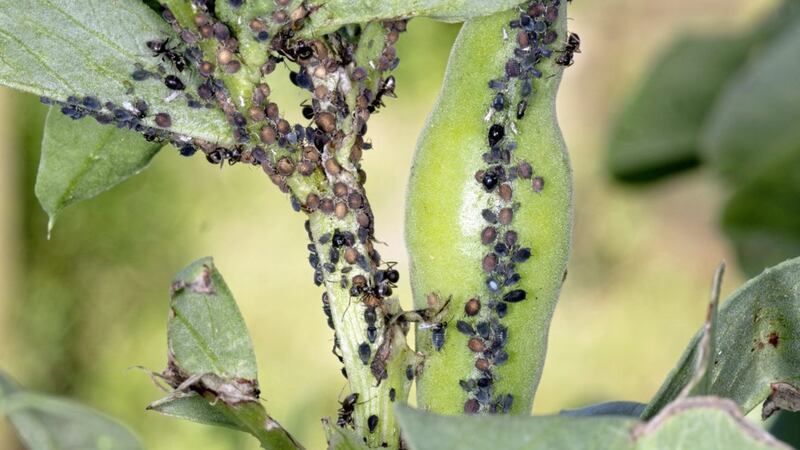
(458, 221)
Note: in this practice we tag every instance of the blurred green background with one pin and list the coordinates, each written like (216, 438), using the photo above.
(80, 309)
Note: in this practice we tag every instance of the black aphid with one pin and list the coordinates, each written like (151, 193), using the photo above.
(496, 133)
(174, 83)
(517, 295)
(364, 352)
(372, 423)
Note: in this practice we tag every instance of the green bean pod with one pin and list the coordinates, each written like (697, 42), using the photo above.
(489, 213)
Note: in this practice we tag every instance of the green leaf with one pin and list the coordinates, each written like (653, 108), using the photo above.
(80, 159)
(50, 423)
(706, 423)
(59, 48)
(195, 408)
(211, 354)
(762, 218)
(618, 408)
(755, 119)
(330, 15)
(754, 343)
(657, 131)
(342, 438)
(206, 331)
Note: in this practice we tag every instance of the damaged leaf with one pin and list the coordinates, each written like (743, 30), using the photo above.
(211, 364)
(784, 396)
(752, 345)
(50, 423)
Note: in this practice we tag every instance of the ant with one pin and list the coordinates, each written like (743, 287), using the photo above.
(160, 48)
(573, 46)
(387, 89)
(346, 411)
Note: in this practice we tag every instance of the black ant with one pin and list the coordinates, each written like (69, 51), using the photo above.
(387, 279)
(387, 89)
(573, 46)
(160, 48)
(346, 411)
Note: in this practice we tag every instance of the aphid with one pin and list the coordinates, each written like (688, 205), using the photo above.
(472, 307)
(489, 216)
(471, 406)
(91, 103)
(372, 333)
(465, 328)
(521, 255)
(364, 352)
(496, 133)
(392, 394)
(174, 83)
(372, 423)
(410, 372)
(438, 335)
(499, 101)
(483, 329)
(346, 411)
(160, 48)
(521, 107)
(517, 295)
(140, 75)
(537, 184)
(188, 150)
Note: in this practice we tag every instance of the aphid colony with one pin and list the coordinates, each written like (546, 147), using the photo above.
(481, 322)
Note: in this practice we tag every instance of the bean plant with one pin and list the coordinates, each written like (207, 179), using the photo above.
(488, 222)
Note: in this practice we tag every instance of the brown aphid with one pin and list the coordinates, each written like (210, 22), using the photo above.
(471, 406)
(205, 68)
(488, 235)
(524, 170)
(298, 13)
(311, 153)
(163, 120)
(433, 300)
(505, 216)
(232, 67)
(267, 134)
(511, 237)
(339, 189)
(479, 176)
(306, 168)
(272, 111)
(476, 345)
(256, 113)
(206, 30)
(312, 202)
(332, 166)
(363, 220)
(489, 263)
(320, 72)
(472, 307)
(393, 36)
(505, 192)
(326, 121)
(280, 16)
(326, 205)
(355, 200)
(224, 56)
(321, 91)
(201, 19)
(356, 153)
(285, 166)
(264, 89)
(340, 210)
(359, 280)
(482, 364)
(284, 127)
(350, 255)
(256, 25)
(537, 184)
(522, 39)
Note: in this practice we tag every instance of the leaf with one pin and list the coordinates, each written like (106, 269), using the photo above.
(762, 219)
(210, 353)
(330, 15)
(657, 131)
(195, 408)
(342, 438)
(755, 118)
(206, 331)
(706, 423)
(50, 423)
(755, 345)
(81, 159)
(618, 408)
(61, 48)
